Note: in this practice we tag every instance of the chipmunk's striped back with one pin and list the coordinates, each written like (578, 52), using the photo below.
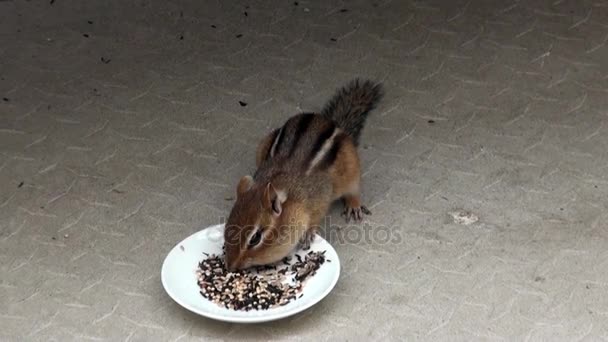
(308, 141)
(312, 141)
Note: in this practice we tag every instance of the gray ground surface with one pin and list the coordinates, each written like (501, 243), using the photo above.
(106, 164)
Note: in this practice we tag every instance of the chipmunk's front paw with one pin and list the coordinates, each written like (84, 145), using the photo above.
(355, 213)
(307, 239)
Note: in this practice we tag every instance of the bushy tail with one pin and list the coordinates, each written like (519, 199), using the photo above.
(351, 104)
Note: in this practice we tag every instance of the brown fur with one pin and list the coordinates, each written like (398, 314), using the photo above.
(345, 174)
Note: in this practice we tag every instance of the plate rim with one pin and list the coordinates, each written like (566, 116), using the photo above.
(255, 319)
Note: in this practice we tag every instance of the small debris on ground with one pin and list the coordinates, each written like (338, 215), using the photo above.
(464, 217)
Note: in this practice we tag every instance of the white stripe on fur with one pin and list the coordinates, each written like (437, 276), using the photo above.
(323, 151)
(275, 142)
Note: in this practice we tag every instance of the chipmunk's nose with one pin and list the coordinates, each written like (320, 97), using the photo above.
(231, 264)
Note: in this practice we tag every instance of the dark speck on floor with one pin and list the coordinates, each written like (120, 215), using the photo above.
(90, 22)
(213, 26)
(20, 184)
(431, 121)
(239, 35)
(5, 99)
(333, 39)
(243, 104)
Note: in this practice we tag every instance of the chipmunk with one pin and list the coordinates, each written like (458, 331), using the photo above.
(302, 168)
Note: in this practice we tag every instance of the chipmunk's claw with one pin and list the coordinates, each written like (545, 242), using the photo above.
(307, 239)
(356, 214)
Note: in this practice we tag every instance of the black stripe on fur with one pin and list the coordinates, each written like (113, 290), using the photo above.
(301, 128)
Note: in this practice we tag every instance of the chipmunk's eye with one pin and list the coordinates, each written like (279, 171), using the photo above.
(255, 238)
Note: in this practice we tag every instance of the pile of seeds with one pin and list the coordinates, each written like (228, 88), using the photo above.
(259, 288)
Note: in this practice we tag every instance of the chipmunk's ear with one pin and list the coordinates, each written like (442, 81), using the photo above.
(244, 185)
(274, 199)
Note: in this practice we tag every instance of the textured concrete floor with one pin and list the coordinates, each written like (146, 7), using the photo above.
(121, 133)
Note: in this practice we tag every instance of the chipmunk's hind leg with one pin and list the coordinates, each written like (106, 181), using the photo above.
(346, 178)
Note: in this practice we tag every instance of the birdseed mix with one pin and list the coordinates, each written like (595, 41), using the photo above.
(258, 288)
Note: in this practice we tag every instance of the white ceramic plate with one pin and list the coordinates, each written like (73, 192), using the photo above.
(179, 279)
